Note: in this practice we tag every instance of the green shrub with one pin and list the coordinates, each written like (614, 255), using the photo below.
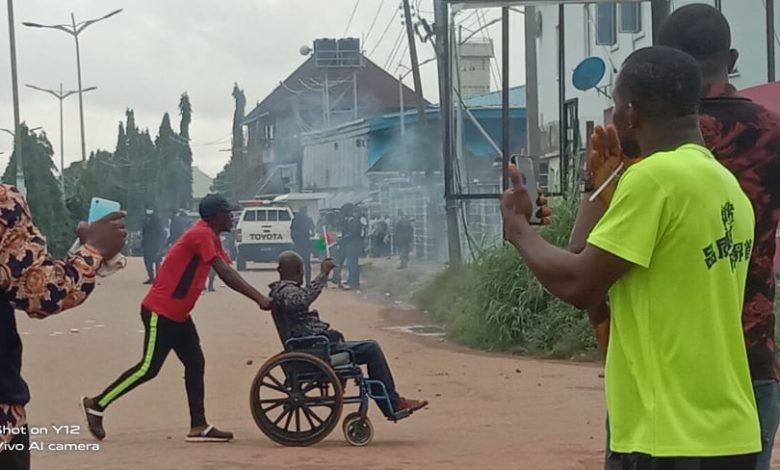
(495, 303)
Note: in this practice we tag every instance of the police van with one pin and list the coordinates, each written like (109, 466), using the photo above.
(262, 233)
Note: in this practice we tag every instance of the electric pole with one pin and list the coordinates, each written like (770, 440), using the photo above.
(442, 24)
(415, 64)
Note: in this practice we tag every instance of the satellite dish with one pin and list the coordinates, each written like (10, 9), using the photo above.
(589, 73)
(305, 50)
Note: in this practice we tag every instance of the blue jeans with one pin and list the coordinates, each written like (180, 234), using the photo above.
(768, 403)
(352, 252)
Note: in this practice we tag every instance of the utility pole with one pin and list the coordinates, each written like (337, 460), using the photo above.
(505, 98)
(18, 136)
(531, 84)
(415, 64)
(562, 125)
(770, 40)
(441, 12)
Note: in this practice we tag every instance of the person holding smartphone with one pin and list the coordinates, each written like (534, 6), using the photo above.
(672, 251)
(35, 283)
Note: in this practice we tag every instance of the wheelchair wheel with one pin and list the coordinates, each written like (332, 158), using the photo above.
(296, 399)
(358, 431)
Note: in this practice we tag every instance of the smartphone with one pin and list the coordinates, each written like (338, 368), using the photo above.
(98, 208)
(528, 168)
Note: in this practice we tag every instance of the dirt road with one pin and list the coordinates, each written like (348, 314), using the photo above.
(487, 411)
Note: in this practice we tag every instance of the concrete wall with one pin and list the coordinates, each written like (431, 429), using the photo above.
(747, 19)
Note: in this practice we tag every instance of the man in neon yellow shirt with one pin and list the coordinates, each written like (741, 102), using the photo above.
(672, 252)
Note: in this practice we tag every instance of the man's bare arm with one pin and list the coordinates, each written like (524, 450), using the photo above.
(582, 280)
(234, 280)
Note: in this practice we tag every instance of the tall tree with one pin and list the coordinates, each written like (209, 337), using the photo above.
(43, 190)
(185, 155)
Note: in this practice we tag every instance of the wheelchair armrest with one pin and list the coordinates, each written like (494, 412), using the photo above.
(318, 343)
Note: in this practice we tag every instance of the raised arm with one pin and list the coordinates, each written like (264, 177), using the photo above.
(30, 278)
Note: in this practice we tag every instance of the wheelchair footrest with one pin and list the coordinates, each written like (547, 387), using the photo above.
(399, 415)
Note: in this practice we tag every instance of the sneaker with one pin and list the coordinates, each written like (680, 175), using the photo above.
(210, 434)
(405, 404)
(94, 418)
(148, 282)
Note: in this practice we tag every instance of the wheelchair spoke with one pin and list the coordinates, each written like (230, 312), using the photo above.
(311, 414)
(275, 380)
(279, 388)
(307, 414)
(289, 419)
(276, 403)
(281, 416)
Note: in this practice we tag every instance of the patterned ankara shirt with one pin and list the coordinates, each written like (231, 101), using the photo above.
(745, 137)
(33, 282)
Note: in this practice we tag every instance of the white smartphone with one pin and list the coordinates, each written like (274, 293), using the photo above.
(528, 168)
(98, 208)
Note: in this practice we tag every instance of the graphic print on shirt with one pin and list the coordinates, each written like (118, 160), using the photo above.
(735, 252)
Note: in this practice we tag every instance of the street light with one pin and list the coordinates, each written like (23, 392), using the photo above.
(74, 29)
(61, 97)
(15, 88)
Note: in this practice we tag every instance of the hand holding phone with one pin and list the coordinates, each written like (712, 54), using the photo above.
(527, 168)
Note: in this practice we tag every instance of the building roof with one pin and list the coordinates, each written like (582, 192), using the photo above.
(376, 88)
(201, 183)
(494, 99)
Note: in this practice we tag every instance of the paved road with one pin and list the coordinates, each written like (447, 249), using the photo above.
(487, 411)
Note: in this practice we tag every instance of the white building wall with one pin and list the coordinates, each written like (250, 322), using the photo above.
(747, 19)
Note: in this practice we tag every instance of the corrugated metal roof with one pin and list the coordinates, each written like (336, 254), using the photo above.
(493, 99)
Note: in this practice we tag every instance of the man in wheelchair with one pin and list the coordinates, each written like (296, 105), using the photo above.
(290, 304)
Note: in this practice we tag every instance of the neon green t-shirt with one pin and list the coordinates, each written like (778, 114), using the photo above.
(677, 377)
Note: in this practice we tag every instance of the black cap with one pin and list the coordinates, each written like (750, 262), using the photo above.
(214, 204)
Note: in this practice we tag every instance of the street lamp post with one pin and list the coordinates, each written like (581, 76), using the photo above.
(20, 185)
(74, 29)
(61, 97)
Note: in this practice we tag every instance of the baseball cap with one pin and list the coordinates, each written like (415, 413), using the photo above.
(214, 204)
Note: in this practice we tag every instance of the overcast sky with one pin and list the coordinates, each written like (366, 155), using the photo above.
(146, 56)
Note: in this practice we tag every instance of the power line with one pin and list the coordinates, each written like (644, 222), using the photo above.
(495, 72)
(395, 48)
(384, 33)
(373, 22)
(351, 17)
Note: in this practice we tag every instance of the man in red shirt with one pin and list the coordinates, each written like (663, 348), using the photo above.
(165, 312)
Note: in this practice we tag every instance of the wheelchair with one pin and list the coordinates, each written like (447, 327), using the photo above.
(298, 395)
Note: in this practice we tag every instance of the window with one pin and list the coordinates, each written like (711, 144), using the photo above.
(269, 132)
(630, 17)
(544, 172)
(606, 25)
(250, 216)
(284, 216)
(273, 216)
(261, 216)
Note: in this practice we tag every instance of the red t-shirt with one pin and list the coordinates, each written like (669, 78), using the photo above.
(182, 276)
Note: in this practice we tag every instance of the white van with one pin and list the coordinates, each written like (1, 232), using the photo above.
(262, 233)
